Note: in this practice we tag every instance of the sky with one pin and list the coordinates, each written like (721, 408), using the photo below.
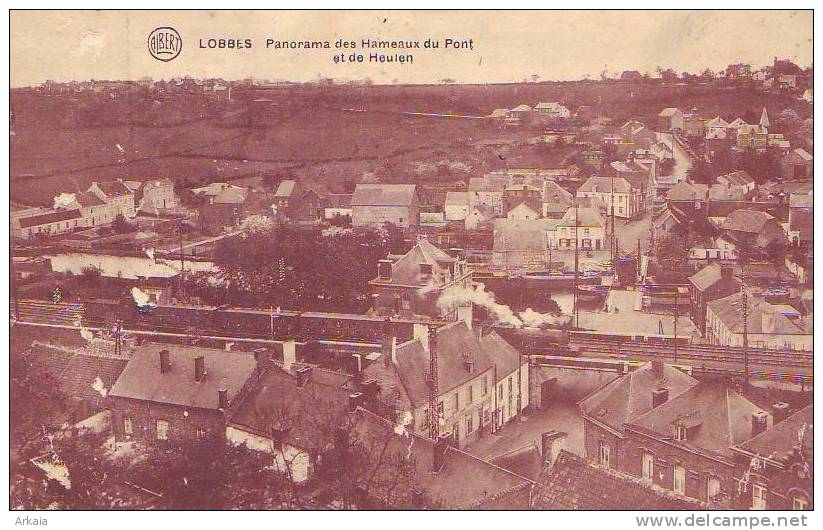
(507, 45)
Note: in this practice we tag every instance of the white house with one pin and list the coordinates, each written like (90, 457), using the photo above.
(457, 205)
(522, 212)
(552, 109)
(591, 229)
(117, 194)
(627, 201)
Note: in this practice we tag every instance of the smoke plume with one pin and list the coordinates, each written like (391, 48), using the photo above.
(502, 313)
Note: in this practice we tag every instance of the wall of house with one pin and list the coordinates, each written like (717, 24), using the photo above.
(782, 484)
(594, 435)
(290, 459)
(403, 216)
(457, 212)
(184, 422)
(590, 237)
(479, 409)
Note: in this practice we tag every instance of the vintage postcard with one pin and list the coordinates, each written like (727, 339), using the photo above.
(411, 260)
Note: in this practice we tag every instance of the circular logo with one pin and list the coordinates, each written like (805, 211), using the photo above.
(165, 44)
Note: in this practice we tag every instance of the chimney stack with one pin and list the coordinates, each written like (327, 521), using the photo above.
(303, 375)
(439, 458)
(222, 399)
(388, 350)
(768, 321)
(621, 369)
(165, 363)
(199, 368)
(468, 362)
(552, 442)
(384, 270)
(659, 396)
(760, 422)
(355, 400)
(657, 367)
(228, 346)
(780, 411)
(289, 354)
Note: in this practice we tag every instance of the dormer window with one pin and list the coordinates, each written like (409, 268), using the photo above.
(680, 433)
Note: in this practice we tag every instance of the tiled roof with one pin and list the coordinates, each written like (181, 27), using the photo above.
(526, 461)
(521, 235)
(54, 216)
(464, 481)
(730, 311)
(669, 111)
(572, 483)
(584, 216)
(142, 380)
(604, 185)
(285, 188)
(708, 276)
(750, 221)
(802, 153)
(457, 198)
(231, 196)
(715, 415)
(383, 195)
(738, 178)
(114, 188)
(406, 270)
(630, 396)
(801, 200)
(685, 191)
(506, 358)
(554, 193)
(779, 442)
(338, 200)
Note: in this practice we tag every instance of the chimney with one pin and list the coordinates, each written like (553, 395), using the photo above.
(465, 312)
(263, 358)
(388, 349)
(199, 368)
(222, 399)
(303, 375)
(425, 271)
(384, 270)
(165, 363)
(551, 443)
(657, 367)
(355, 400)
(726, 272)
(439, 457)
(289, 354)
(421, 333)
(780, 411)
(760, 422)
(659, 396)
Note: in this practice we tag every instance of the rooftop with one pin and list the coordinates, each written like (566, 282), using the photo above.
(384, 195)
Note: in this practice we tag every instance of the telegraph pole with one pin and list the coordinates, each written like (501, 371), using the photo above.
(676, 292)
(745, 336)
(576, 266)
(612, 240)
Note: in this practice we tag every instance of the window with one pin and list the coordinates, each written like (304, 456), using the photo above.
(470, 424)
(457, 401)
(758, 497)
(484, 386)
(500, 392)
(162, 430)
(605, 455)
(424, 419)
(712, 488)
(679, 433)
(648, 467)
(127, 426)
(800, 502)
(200, 433)
(471, 394)
(511, 385)
(679, 479)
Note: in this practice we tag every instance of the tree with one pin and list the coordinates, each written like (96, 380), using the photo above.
(91, 274)
(672, 252)
(121, 226)
(40, 404)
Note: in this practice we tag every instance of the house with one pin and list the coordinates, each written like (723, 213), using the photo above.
(671, 119)
(378, 204)
(45, 223)
(606, 410)
(694, 126)
(775, 467)
(225, 209)
(753, 228)
(117, 194)
(292, 412)
(516, 194)
(616, 193)
(552, 110)
(556, 200)
(801, 220)
(808, 95)
(174, 393)
(465, 381)
(683, 443)
(294, 202)
(690, 198)
(716, 128)
(765, 326)
(521, 112)
(157, 196)
(752, 137)
(511, 379)
(457, 205)
(522, 244)
(797, 164)
(710, 283)
(437, 471)
(93, 210)
(522, 212)
(480, 217)
(738, 180)
(413, 283)
(488, 191)
(499, 114)
(573, 483)
(590, 233)
(337, 205)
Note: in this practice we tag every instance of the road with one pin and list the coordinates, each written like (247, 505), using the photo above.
(682, 162)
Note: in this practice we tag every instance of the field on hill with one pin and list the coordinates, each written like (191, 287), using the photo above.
(326, 134)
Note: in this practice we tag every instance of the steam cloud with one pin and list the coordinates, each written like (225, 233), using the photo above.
(529, 318)
(140, 298)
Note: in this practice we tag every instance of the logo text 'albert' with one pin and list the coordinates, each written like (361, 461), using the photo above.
(165, 44)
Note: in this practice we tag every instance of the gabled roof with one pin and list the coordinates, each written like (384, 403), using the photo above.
(53, 216)
(715, 415)
(630, 396)
(750, 221)
(142, 380)
(554, 193)
(523, 209)
(384, 195)
(157, 183)
(801, 220)
(551, 105)
(457, 198)
(406, 270)
(339, 200)
(779, 443)
(584, 216)
(685, 191)
(604, 185)
(464, 481)
(506, 358)
(801, 200)
(114, 188)
(525, 461)
(521, 235)
(708, 276)
(802, 153)
(86, 199)
(717, 122)
(522, 108)
(285, 188)
(572, 483)
(231, 196)
(730, 311)
(669, 111)
(739, 178)
(499, 113)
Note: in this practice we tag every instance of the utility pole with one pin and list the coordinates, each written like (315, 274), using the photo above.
(639, 258)
(612, 240)
(434, 405)
(676, 292)
(745, 337)
(576, 266)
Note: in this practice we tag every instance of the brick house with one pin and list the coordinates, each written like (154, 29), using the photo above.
(378, 204)
(774, 468)
(177, 393)
(412, 284)
(708, 284)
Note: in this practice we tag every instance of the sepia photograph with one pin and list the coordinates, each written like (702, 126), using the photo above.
(374, 260)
